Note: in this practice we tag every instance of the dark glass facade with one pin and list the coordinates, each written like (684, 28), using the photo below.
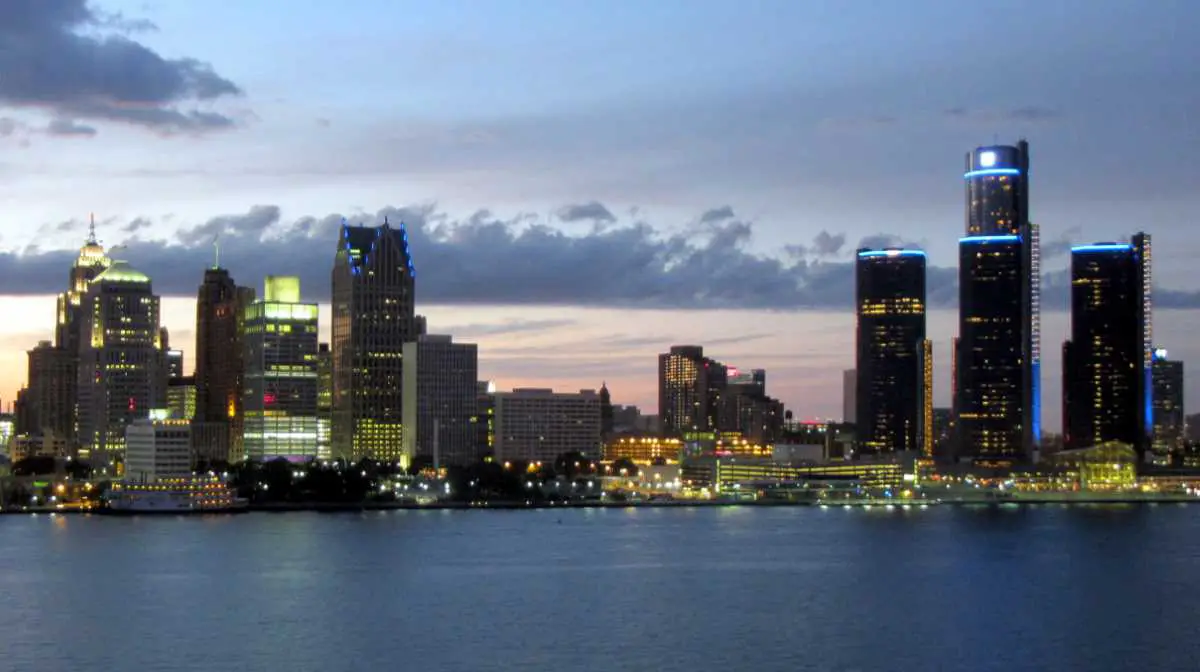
(1105, 385)
(997, 357)
(690, 386)
(1168, 416)
(890, 299)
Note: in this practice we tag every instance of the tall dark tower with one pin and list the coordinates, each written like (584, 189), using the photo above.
(219, 356)
(1107, 395)
(997, 356)
(890, 350)
(606, 412)
(374, 315)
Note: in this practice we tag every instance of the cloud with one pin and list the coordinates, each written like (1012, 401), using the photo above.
(136, 225)
(64, 57)
(505, 328)
(323, 122)
(717, 215)
(1062, 244)
(590, 211)
(887, 240)
(826, 244)
(487, 260)
(1026, 114)
(69, 129)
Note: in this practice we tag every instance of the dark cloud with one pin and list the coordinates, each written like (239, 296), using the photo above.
(8, 126)
(826, 244)
(1055, 247)
(66, 57)
(717, 215)
(484, 260)
(323, 122)
(886, 240)
(69, 129)
(136, 225)
(590, 211)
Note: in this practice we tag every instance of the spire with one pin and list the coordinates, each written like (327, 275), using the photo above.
(91, 239)
(216, 252)
(385, 222)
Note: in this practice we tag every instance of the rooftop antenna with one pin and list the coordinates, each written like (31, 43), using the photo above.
(92, 230)
(385, 222)
(216, 252)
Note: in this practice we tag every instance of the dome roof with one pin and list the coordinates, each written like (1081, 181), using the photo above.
(121, 271)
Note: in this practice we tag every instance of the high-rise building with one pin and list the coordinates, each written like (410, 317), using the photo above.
(606, 411)
(441, 381)
(689, 393)
(746, 410)
(997, 359)
(485, 418)
(181, 398)
(849, 396)
(890, 342)
(1107, 389)
(928, 426)
(220, 307)
(174, 362)
(1168, 403)
(122, 372)
(280, 388)
(538, 425)
(49, 401)
(324, 400)
(374, 315)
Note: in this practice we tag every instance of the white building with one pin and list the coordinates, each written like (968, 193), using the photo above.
(538, 425)
(158, 449)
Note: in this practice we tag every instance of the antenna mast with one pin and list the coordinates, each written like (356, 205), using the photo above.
(216, 252)
(92, 229)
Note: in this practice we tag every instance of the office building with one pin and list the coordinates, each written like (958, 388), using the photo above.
(606, 411)
(280, 356)
(122, 372)
(181, 397)
(1107, 390)
(441, 380)
(324, 400)
(174, 360)
(997, 357)
(747, 412)
(48, 402)
(689, 393)
(220, 309)
(158, 448)
(1168, 415)
(485, 418)
(374, 315)
(849, 395)
(538, 425)
(890, 341)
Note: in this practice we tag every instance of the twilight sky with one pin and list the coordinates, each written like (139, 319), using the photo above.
(586, 183)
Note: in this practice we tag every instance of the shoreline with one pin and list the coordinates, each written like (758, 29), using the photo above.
(319, 507)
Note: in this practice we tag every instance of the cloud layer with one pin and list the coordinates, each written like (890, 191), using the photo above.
(487, 260)
(67, 58)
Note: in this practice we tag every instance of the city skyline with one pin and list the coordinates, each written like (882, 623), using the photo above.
(289, 153)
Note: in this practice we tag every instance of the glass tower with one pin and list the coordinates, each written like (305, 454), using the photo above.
(891, 350)
(1108, 395)
(997, 357)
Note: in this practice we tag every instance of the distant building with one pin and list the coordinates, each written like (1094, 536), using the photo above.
(280, 398)
(606, 412)
(174, 362)
(374, 315)
(890, 390)
(689, 393)
(48, 404)
(1168, 403)
(538, 425)
(1107, 384)
(122, 373)
(440, 393)
(745, 409)
(219, 370)
(849, 395)
(324, 400)
(485, 418)
(181, 397)
(158, 449)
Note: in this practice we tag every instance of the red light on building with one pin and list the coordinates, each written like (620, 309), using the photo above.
(268, 398)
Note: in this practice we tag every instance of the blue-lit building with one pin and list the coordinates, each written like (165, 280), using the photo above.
(1107, 364)
(890, 350)
(997, 356)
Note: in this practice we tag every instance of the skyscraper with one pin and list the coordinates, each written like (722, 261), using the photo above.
(374, 315)
(1107, 389)
(441, 381)
(1168, 403)
(997, 358)
(122, 372)
(890, 349)
(280, 388)
(220, 305)
(324, 399)
(689, 393)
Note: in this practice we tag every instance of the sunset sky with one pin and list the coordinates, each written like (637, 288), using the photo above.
(587, 183)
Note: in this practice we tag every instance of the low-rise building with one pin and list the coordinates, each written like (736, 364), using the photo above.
(538, 425)
(158, 448)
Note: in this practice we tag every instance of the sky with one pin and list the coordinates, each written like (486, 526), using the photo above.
(587, 183)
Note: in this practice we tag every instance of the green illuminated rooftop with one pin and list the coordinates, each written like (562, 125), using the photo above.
(121, 271)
